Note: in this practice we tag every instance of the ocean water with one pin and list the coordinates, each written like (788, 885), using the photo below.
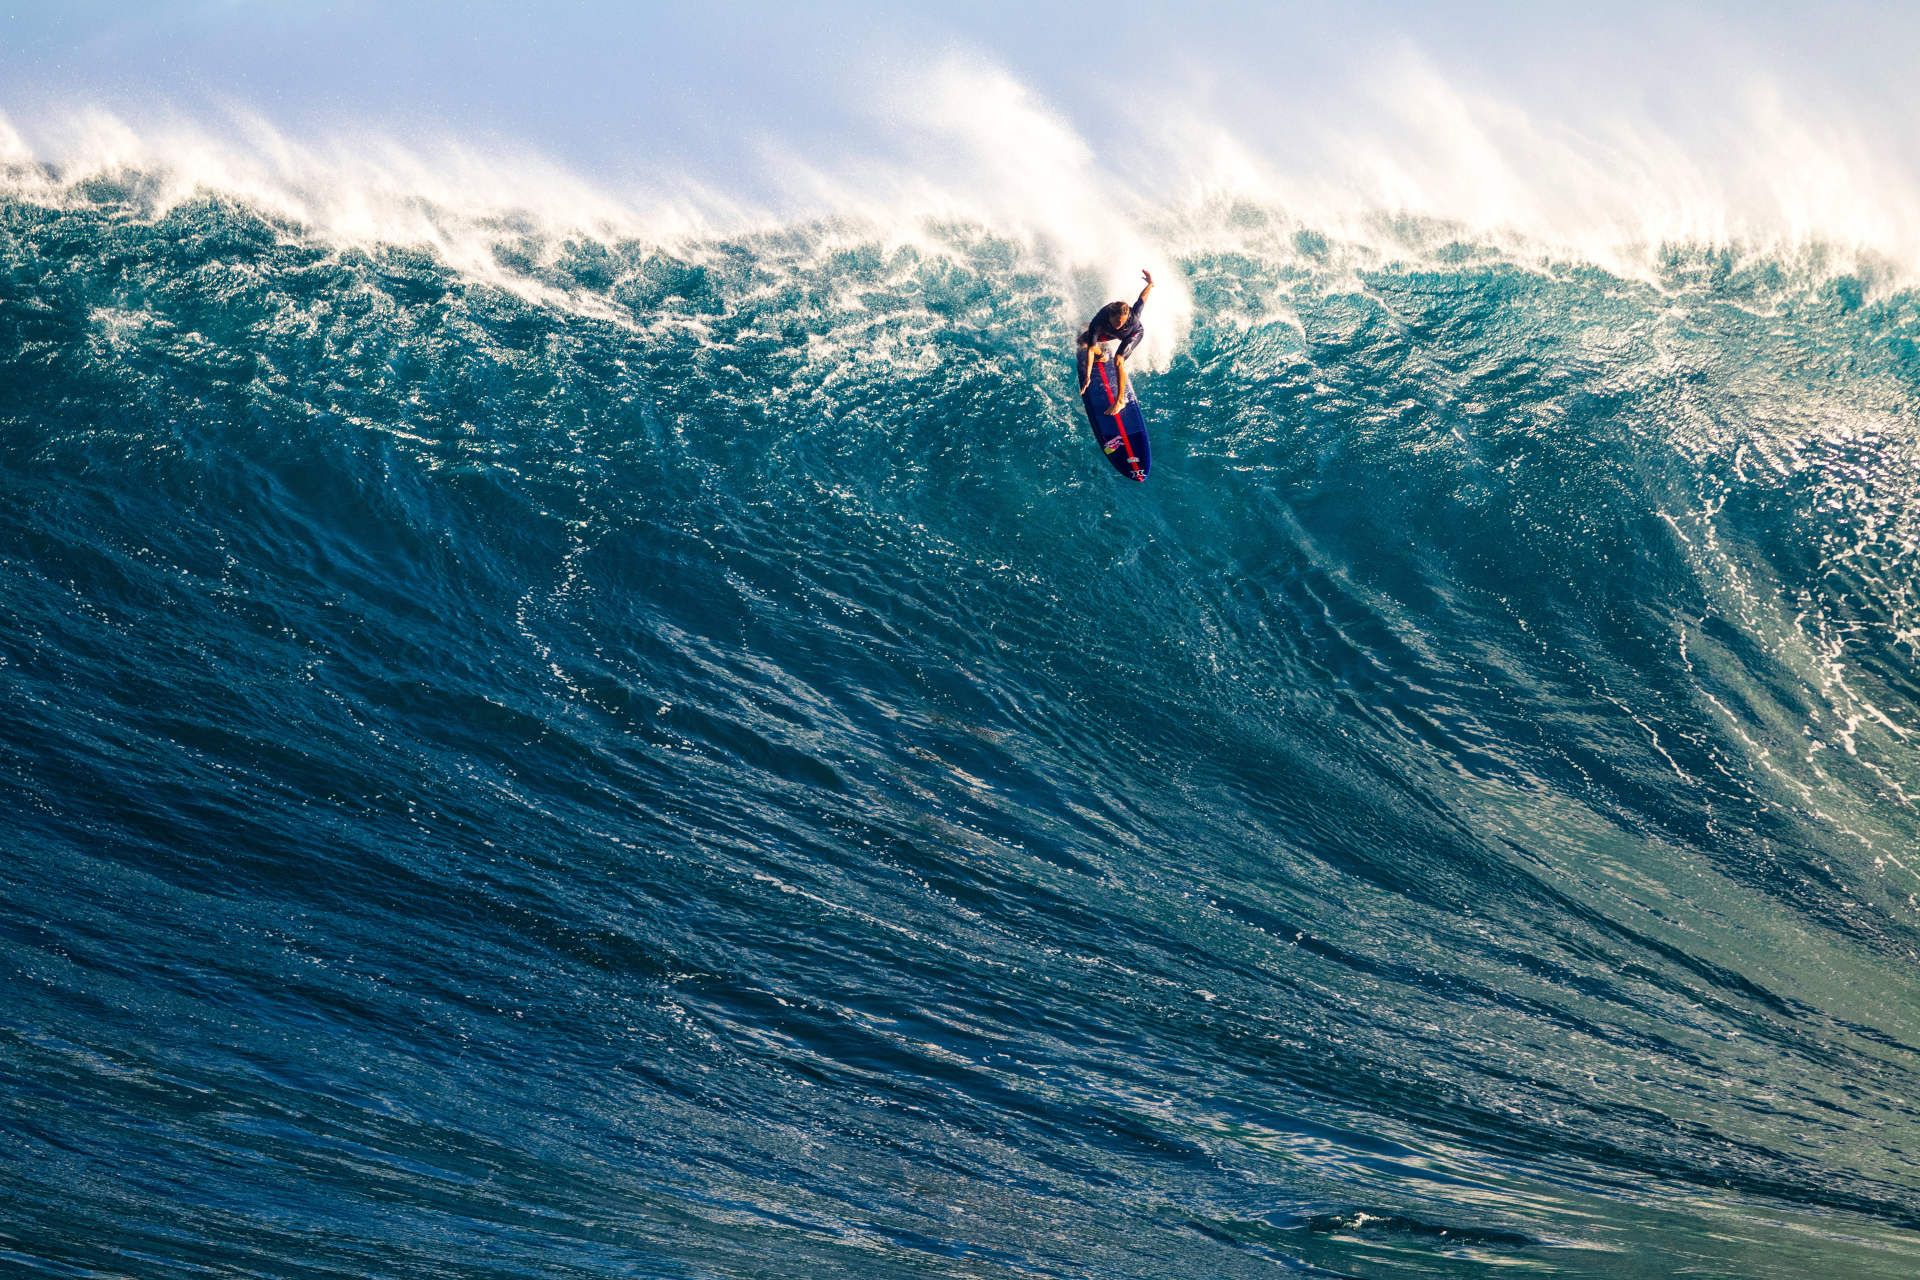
(681, 760)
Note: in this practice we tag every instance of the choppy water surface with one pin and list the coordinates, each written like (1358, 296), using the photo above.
(693, 766)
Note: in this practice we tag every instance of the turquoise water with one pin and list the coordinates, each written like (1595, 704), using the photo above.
(684, 761)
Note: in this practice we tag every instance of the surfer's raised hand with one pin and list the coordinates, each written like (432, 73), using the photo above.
(1148, 277)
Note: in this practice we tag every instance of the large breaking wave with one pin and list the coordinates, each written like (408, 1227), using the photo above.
(570, 752)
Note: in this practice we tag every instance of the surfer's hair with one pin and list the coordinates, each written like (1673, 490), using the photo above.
(1115, 314)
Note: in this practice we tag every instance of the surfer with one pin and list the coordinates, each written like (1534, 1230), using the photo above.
(1114, 332)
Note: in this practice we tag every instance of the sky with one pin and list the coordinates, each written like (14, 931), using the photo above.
(616, 88)
(1495, 110)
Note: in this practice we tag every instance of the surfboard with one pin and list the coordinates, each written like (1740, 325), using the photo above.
(1120, 429)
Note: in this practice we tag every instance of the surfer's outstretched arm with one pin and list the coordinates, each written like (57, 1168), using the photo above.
(1083, 362)
(1135, 330)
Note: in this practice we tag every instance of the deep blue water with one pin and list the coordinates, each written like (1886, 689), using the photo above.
(704, 771)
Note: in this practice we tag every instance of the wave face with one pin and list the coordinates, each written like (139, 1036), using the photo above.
(693, 766)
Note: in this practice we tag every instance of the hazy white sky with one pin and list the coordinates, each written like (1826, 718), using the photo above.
(1570, 123)
(1604, 131)
(619, 88)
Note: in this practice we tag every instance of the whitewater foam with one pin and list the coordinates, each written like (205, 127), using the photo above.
(1413, 167)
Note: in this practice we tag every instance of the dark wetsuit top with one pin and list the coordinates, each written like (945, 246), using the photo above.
(1129, 336)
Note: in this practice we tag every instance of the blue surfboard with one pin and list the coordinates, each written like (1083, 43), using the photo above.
(1120, 429)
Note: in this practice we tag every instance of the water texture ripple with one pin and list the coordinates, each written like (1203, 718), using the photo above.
(693, 766)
